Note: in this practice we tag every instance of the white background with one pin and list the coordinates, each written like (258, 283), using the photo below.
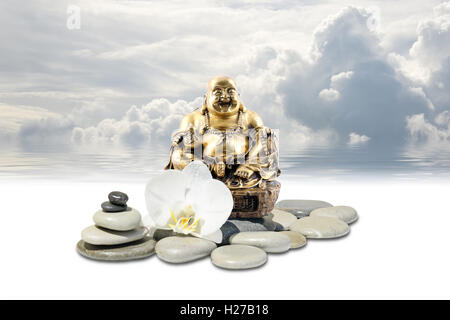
(397, 249)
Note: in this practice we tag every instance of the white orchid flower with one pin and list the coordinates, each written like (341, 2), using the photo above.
(189, 202)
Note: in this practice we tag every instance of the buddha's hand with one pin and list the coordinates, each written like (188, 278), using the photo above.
(244, 172)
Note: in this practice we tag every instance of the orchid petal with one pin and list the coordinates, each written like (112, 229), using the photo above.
(164, 192)
(196, 172)
(212, 202)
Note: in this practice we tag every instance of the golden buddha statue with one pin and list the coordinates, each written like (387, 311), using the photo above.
(235, 145)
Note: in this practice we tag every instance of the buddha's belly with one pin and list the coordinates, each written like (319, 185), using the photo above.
(223, 148)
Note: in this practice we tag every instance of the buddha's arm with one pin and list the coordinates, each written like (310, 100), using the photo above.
(252, 162)
(179, 157)
(256, 124)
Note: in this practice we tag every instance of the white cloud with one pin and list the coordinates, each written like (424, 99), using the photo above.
(443, 118)
(46, 134)
(295, 136)
(427, 62)
(152, 123)
(336, 81)
(345, 38)
(422, 131)
(433, 43)
(368, 96)
(427, 67)
(13, 119)
(354, 139)
(338, 78)
(129, 53)
(329, 94)
(411, 69)
(429, 140)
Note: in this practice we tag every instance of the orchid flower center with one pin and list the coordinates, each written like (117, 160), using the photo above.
(185, 222)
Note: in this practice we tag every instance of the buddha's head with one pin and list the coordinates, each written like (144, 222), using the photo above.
(222, 96)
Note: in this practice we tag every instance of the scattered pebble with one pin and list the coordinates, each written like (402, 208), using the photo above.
(320, 227)
(109, 207)
(283, 217)
(183, 249)
(238, 257)
(118, 198)
(344, 213)
(135, 250)
(297, 239)
(100, 236)
(269, 241)
(301, 208)
(119, 221)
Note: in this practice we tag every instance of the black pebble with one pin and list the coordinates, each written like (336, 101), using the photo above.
(118, 198)
(109, 207)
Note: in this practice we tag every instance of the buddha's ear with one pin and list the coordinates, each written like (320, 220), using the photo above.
(242, 108)
(204, 108)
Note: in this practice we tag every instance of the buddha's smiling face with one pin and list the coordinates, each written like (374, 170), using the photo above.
(222, 95)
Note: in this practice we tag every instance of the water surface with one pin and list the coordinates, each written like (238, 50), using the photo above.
(308, 163)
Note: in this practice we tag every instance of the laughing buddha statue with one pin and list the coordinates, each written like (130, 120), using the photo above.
(233, 142)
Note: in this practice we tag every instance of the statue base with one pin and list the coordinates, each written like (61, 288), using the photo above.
(255, 202)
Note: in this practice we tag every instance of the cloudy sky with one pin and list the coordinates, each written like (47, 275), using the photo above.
(109, 74)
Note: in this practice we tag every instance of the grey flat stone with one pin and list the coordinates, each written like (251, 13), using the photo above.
(320, 227)
(248, 225)
(297, 239)
(238, 257)
(100, 236)
(344, 213)
(269, 241)
(119, 221)
(283, 217)
(183, 249)
(109, 207)
(301, 208)
(135, 250)
(118, 198)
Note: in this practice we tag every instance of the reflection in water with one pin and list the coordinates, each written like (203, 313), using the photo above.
(430, 155)
(338, 163)
(85, 165)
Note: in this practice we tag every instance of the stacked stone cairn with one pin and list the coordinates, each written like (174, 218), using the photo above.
(118, 233)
